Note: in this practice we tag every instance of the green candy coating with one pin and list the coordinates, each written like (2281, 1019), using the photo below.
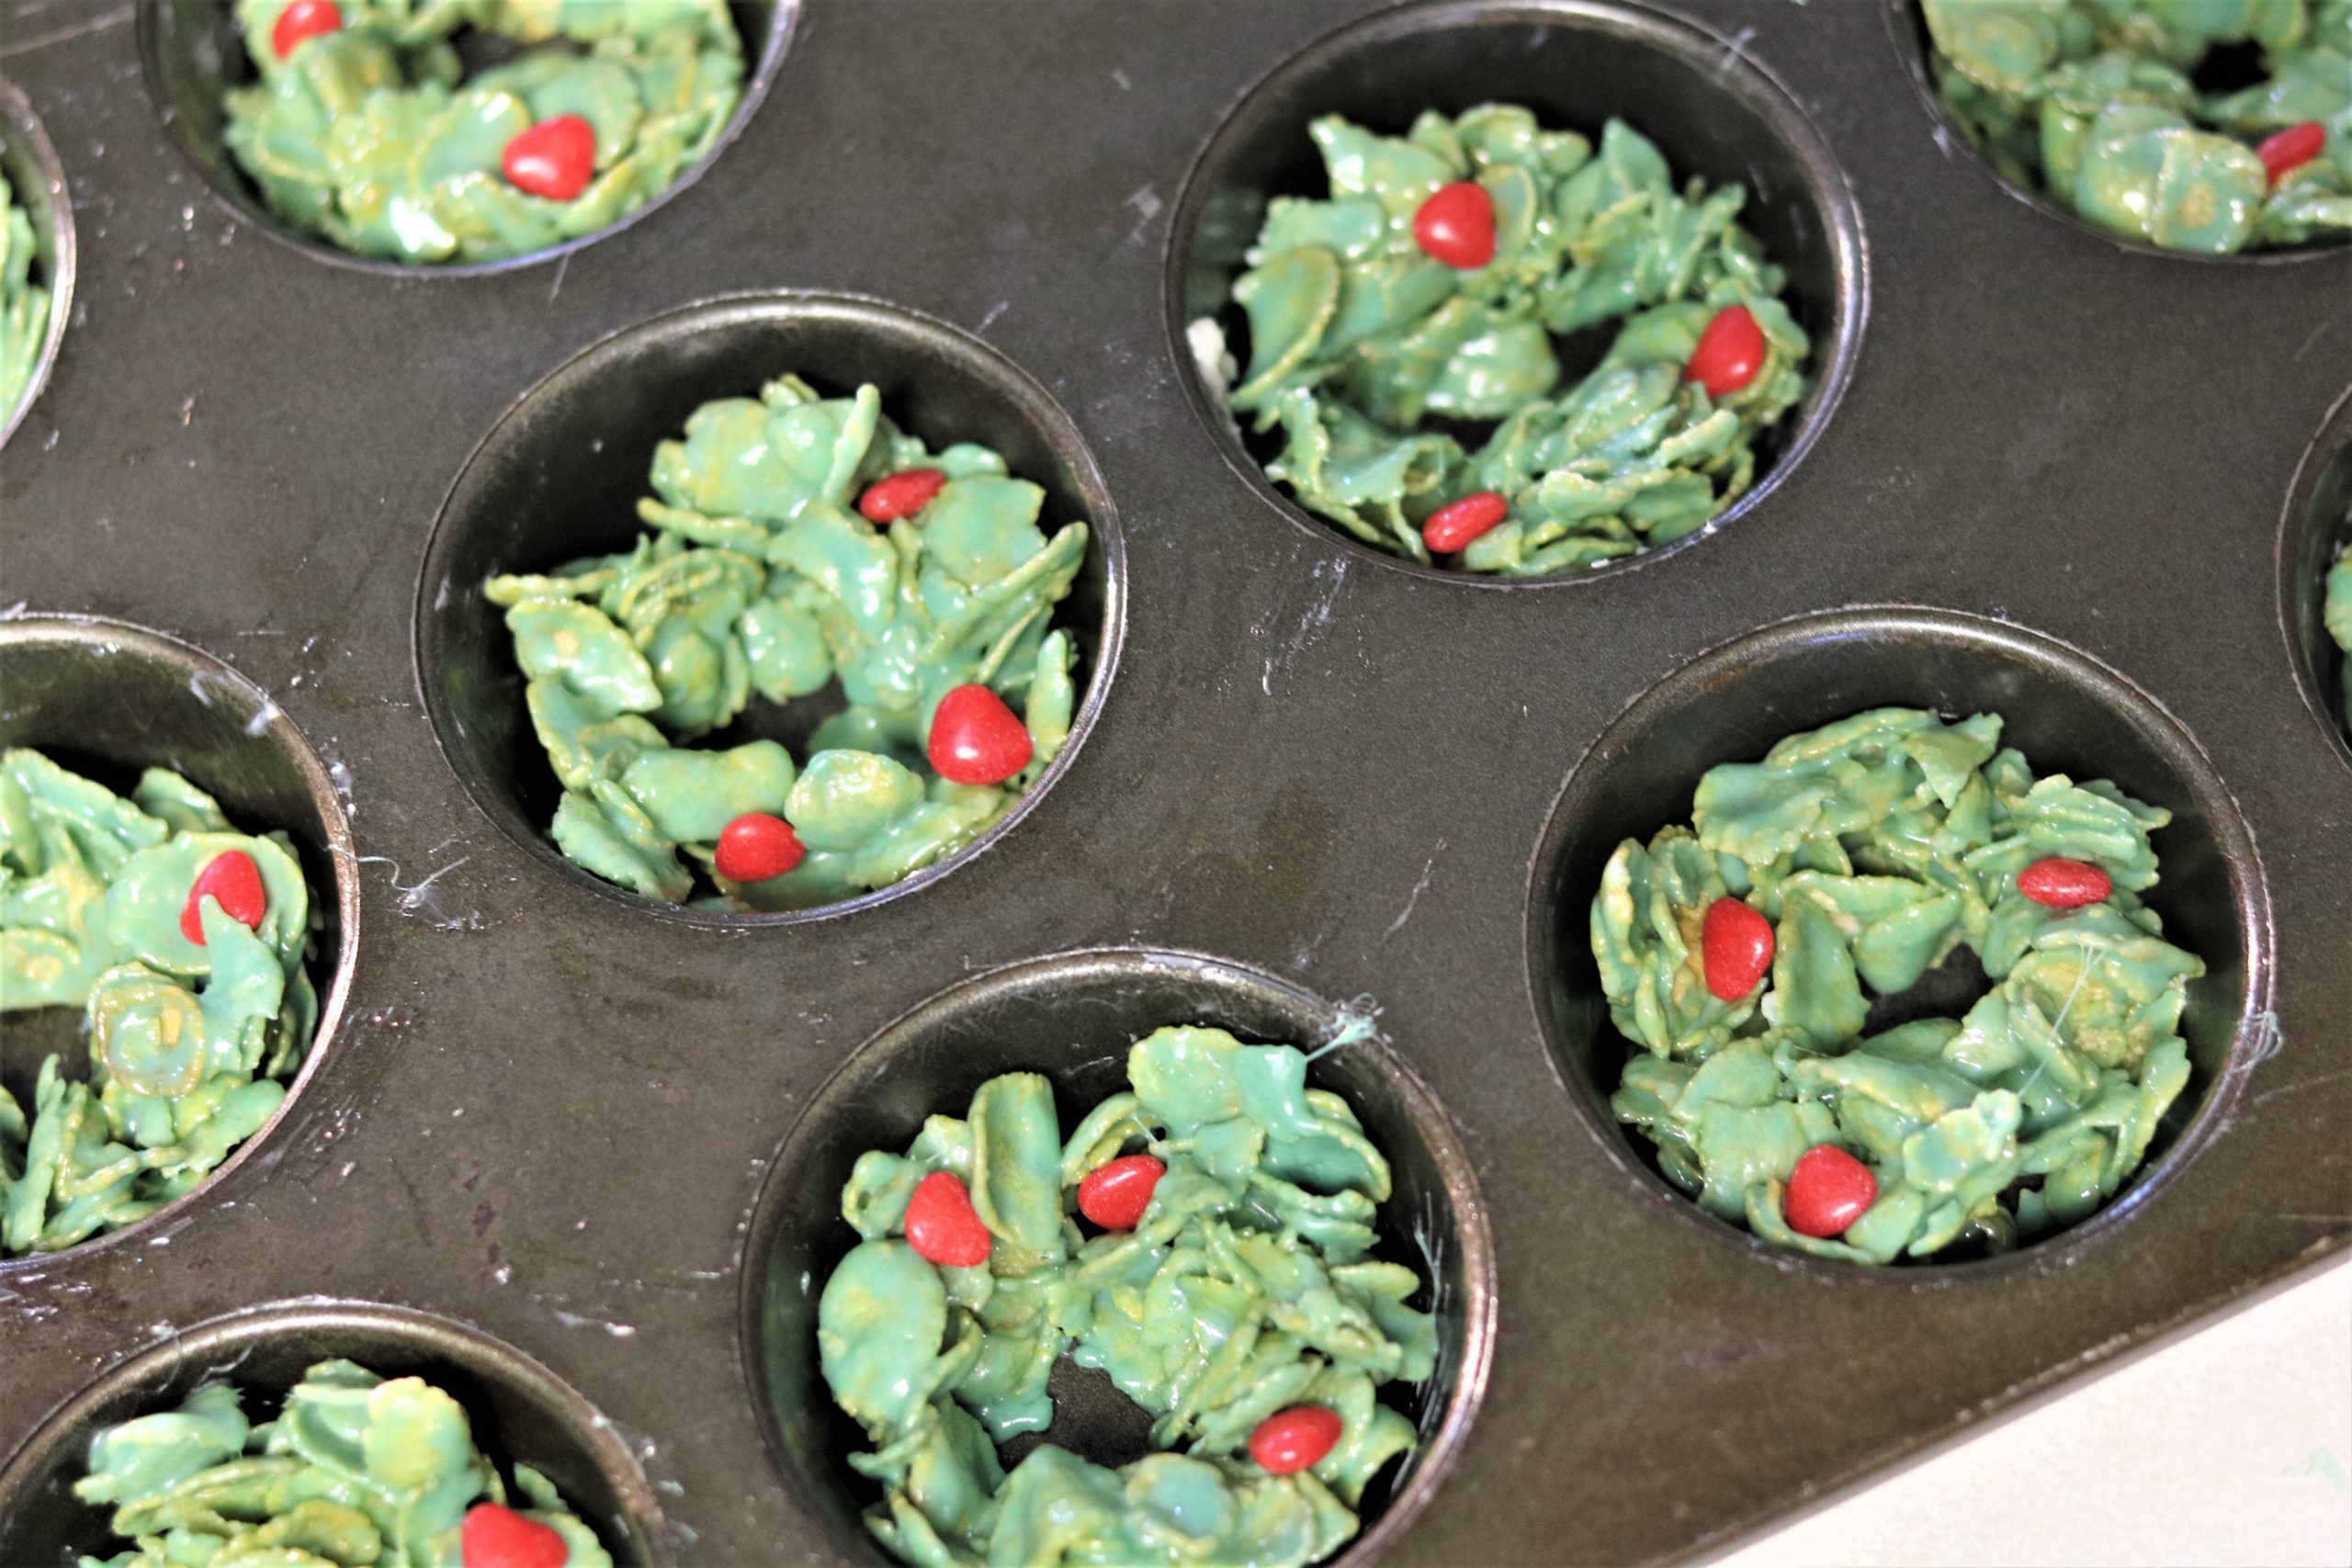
(370, 137)
(190, 1045)
(2093, 103)
(2338, 613)
(1360, 342)
(24, 303)
(1878, 846)
(356, 1472)
(1248, 1287)
(758, 579)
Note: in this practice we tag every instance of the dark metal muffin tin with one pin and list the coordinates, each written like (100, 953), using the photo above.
(595, 1141)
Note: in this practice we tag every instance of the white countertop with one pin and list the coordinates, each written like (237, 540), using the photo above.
(2233, 1446)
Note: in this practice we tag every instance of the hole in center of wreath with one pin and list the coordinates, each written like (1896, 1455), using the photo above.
(2230, 68)
(1091, 1418)
(1947, 990)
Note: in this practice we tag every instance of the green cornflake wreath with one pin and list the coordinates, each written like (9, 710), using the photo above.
(2095, 103)
(767, 572)
(24, 303)
(191, 1042)
(1876, 847)
(365, 131)
(1232, 1292)
(1371, 352)
(2339, 619)
(356, 1469)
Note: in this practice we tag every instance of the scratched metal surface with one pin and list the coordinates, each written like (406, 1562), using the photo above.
(547, 1113)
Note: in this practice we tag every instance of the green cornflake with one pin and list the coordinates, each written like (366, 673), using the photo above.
(1369, 357)
(1878, 846)
(372, 138)
(2094, 103)
(2340, 620)
(759, 581)
(1249, 1286)
(24, 304)
(190, 1045)
(355, 1471)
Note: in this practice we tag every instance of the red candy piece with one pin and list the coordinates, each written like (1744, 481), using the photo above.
(1828, 1191)
(1456, 225)
(554, 159)
(900, 494)
(1115, 1195)
(304, 19)
(756, 846)
(234, 879)
(941, 1226)
(493, 1536)
(1735, 947)
(1730, 353)
(2289, 149)
(976, 739)
(1452, 526)
(1290, 1440)
(2064, 884)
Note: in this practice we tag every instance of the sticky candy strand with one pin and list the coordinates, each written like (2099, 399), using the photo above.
(1879, 846)
(24, 303)
(1249, 1287)
(190, 1045)
(372, 138)
(759, 577)
(356, 1469)
(2092, 102)
(1369, 355)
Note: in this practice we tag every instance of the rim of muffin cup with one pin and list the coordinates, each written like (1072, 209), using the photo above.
(589, 429)
(2315, 525)
(1072, 1016)
(2065, 710)
(1906, 28)
(190, 55)
(520, 1412)
(39, 180)
(113, 697)
(1734, 121)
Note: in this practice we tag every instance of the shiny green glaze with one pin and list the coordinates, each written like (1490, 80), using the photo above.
(2092, 102)
(1249, 1286)
(759, 579)
(372, 139)
(1360, 343)
(24, 303)
(2339, 619)
(1878, 846)
(189, 1046)
(356, 1472)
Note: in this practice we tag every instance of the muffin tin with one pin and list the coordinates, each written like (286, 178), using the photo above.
(575, 1154)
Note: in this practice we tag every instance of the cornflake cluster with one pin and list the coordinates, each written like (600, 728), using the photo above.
(1424, 298)
(1228, 1286)
(365, 129)
(798, 541)
(1739, 956)
(2097, 102)
(185, 944)
(357, 1469)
